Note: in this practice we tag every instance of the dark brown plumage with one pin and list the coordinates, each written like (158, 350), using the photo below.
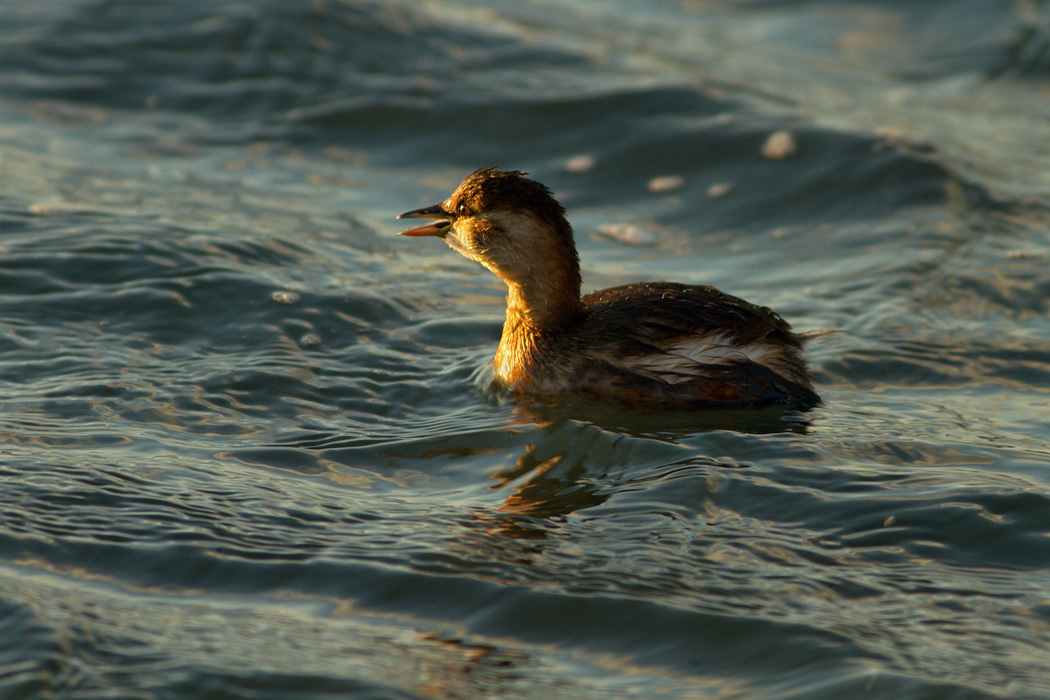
(653, 343)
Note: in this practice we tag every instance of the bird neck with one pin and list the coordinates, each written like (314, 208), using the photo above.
(536, 321)
(544, 304)
(541, 269)
(538, 315)
(538, 263)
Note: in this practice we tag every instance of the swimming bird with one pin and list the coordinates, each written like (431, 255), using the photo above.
(650, 344)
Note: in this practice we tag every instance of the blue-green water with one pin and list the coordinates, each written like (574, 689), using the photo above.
(247, 448)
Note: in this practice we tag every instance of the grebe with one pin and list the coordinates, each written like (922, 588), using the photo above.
(656, 344)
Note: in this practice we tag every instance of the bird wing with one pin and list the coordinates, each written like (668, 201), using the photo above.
(677, 333)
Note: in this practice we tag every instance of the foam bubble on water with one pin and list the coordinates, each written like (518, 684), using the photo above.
(780, 145)
(285, 297)
(580, 164)
(719, 189)
(666, 183)
(628, 234)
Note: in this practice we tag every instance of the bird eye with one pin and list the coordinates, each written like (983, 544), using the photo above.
(463, 210)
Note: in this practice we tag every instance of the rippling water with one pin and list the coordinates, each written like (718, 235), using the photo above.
(248, 447)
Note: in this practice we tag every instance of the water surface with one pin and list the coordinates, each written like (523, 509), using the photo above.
(248, 446)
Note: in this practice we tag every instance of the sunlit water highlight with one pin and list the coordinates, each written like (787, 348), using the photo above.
(248, 446)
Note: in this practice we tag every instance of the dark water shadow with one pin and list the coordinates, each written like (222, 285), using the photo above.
(666, 425)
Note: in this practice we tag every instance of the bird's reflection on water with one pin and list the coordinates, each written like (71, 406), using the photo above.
(557, 475)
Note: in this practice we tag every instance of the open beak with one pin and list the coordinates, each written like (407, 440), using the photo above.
(435, 228)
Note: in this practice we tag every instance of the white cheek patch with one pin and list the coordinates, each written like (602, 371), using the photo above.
(685, 359)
